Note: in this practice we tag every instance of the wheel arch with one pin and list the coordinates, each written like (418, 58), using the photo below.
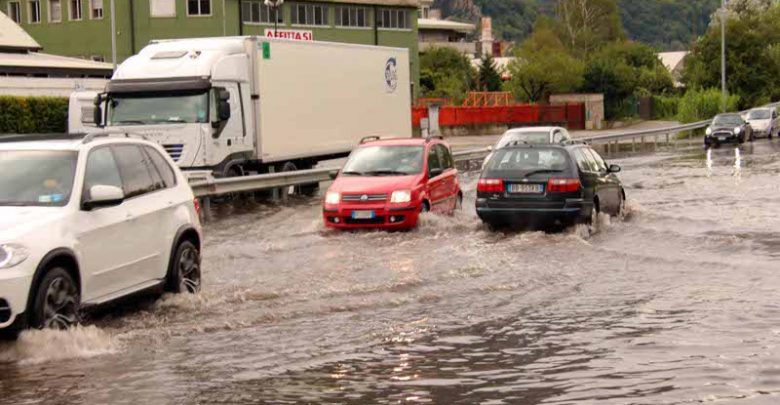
(63, 257)
(188, 233)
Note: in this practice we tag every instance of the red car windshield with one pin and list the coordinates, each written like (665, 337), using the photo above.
(385, 160)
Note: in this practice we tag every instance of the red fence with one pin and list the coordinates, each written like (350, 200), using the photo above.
(571, 116)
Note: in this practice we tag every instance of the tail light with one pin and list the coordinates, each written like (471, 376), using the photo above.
(563, 185)
(196, 203)
(490, 186)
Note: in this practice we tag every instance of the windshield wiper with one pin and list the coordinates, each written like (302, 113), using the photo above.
(386, 173)
(542, 171)
(139, 122)
(352, 173)
(13, 203)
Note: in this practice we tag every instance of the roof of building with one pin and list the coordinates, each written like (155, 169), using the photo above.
(12, 36)
(672, 59)
(39, 60)
(432, 24)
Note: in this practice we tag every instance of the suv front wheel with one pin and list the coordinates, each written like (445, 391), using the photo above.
(56, 301)
(184, 275)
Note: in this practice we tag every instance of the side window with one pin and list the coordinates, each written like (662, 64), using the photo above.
(445, 158)
(601, 166)
(583, 162)
(101, 171)
(557, 136)
(134, 167)
(162, 167)
(433, 160)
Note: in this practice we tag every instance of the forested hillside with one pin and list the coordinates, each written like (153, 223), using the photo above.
(666, 24)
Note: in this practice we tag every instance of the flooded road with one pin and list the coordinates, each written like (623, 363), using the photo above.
(678, 303)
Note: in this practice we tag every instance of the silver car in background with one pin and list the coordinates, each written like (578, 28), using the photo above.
(531, 135)
(764, 121)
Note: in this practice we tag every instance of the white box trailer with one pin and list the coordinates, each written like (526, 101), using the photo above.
(253, 104)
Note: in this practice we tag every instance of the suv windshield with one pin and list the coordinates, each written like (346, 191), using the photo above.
(528, 137)
(145, 109)
(529, 160)
(731, 119)
(759, 115)
(40, 178)
(386, 160)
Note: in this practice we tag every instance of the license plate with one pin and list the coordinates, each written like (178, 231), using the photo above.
(721, 138)
(363, 215)
(526, 188)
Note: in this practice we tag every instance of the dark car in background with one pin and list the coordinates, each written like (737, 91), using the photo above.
(542, 186)
(725, 128)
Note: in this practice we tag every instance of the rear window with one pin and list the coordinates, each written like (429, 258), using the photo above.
(528, 160)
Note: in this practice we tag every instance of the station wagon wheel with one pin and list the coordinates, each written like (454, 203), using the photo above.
(621, 214)
(56, 304)
(185, 273)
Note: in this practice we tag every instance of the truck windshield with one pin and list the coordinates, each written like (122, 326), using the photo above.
(385, 161)
(31, 177)
(146, 109)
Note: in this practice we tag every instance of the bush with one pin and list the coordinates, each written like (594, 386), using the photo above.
(699, 105)
(665, 107)
(24, 115)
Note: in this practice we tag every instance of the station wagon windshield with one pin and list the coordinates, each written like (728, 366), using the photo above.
(759, 115)
(36, 178)
(529, 160)
(147, 109)
(385, 160)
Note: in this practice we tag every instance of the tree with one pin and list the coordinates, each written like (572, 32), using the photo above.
(585, 25)
(489, 77)
(445, 72)
(543, 66)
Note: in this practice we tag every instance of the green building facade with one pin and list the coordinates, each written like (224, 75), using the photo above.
(82, 28)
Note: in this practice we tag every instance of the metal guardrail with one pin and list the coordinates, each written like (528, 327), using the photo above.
(210, 187)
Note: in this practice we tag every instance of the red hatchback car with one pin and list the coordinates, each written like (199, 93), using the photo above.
(387, 183)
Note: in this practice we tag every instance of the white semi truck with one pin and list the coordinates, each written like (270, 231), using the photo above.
(237, 105)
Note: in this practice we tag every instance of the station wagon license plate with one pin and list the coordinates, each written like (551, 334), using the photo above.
(525, 188)
(363, 215)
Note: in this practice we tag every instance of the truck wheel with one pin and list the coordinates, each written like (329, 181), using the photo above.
(56, 301)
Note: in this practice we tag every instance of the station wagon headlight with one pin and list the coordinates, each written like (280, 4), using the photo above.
(332, 197)
(11, 255)
(401, 196)
(737, 130)
(708, 131)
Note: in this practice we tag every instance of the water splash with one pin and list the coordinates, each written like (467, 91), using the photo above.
(737, 164)
(709, 162)
(41, 346)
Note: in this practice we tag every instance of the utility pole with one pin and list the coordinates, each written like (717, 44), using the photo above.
(113, 34)
(724, 95)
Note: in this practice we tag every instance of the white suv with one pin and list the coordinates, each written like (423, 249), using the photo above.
(88, 220)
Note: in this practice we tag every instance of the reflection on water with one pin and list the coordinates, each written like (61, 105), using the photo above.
(677, 303)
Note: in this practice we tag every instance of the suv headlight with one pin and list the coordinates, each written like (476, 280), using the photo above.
(332, 197)
(737, 130)
(708, 131)
(11, 255)
(401, 196)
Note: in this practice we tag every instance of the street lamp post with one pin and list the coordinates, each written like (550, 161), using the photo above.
(724, 96)
(113, 34)
(275, 4)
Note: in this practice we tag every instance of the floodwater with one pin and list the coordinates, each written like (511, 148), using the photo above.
(678, 303)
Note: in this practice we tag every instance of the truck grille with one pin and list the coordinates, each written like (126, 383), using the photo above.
(174, 150)
(368, 197)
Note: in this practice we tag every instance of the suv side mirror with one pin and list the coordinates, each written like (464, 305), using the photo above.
(614, 169)
(103, 196)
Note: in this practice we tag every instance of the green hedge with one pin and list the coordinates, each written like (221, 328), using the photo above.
(699, 105)
(665, 107)
(25, 115)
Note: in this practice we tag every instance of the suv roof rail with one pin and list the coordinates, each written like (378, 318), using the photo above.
(369, 139)
(91, 136)
(4, 138)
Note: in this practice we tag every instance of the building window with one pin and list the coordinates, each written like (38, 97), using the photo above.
(309, 14)
(162, 8)
(35, 11)
(75, 9)
(393, 18)
(349, 16)
(255, 12)
(55, 11)
(96, 9)
(15, 12)
(198, 7)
